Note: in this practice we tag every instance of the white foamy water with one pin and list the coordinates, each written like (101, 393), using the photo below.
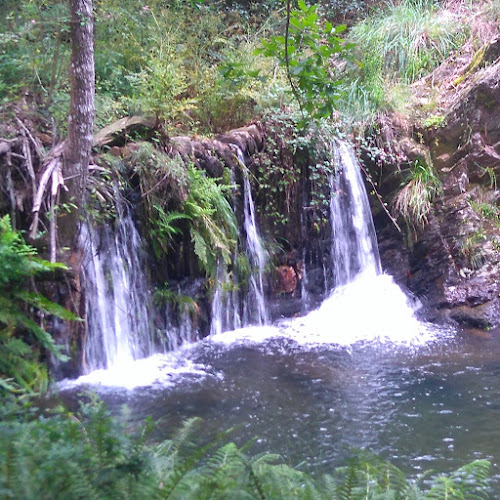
(160, 369)
(366, 307)
(370, 309)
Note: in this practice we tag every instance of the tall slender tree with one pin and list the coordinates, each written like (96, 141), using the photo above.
(81, 116)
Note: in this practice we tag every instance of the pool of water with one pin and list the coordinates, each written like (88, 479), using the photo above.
(435, 406)
(316, 389)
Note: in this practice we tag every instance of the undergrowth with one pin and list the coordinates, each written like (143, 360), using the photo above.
(190, 64)
(396, 45)
(414, 200)
(23, 339)
(93, 455)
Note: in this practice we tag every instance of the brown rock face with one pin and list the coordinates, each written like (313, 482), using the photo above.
(286, 280)
(468, 146)
(454, 265)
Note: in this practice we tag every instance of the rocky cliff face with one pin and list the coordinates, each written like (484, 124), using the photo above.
(453, 262)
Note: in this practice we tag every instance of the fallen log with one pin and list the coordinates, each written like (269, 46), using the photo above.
(116, 134)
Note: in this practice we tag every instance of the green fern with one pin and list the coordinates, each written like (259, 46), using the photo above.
(470, 482)
(164, 229)
(213, 227)
(22, 338)
(92, 455)
(182, 303)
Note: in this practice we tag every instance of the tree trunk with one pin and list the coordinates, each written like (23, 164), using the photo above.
(81, 115)
(75, 162)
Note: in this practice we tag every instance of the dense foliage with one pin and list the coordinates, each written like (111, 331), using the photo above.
(200, 68)
(191, 65)
(22, 339)
(94, 455)
(307, 50)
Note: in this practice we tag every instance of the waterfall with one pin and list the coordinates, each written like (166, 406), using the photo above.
(256, 304)
(227, 301)
(365, 304)
(354, 242)
(364, 307)
(116, 294)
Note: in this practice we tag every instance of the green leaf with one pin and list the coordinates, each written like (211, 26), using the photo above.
(47, 306)
(200, 247)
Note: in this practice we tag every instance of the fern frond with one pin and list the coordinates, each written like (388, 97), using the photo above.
(200, 247)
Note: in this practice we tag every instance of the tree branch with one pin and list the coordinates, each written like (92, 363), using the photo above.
(52, 164)
(369, 179)
(295, 92)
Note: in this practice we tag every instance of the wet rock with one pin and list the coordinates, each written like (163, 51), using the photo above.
(315, 283)
(285, 280)
(249, 139)
(454, 266)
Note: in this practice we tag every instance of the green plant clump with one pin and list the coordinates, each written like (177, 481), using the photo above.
(92, 455)
(21, 338)
(414, 200)
(213, 227)
(395, 46)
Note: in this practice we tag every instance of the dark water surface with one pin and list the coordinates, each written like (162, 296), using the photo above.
(435, 406)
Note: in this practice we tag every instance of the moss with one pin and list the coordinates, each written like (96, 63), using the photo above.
(475, 64)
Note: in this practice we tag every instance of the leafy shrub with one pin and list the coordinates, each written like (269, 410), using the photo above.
(34, 49)
(306, 51)
(191, 66)
(94, 455)
(21, 338)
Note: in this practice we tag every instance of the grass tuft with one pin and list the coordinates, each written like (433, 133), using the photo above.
(396, 45)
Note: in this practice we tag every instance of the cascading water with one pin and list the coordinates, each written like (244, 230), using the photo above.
(116, 293)
(354, 242)
(359, 372)
(365, 305)
(256, 305)
(227, 301)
